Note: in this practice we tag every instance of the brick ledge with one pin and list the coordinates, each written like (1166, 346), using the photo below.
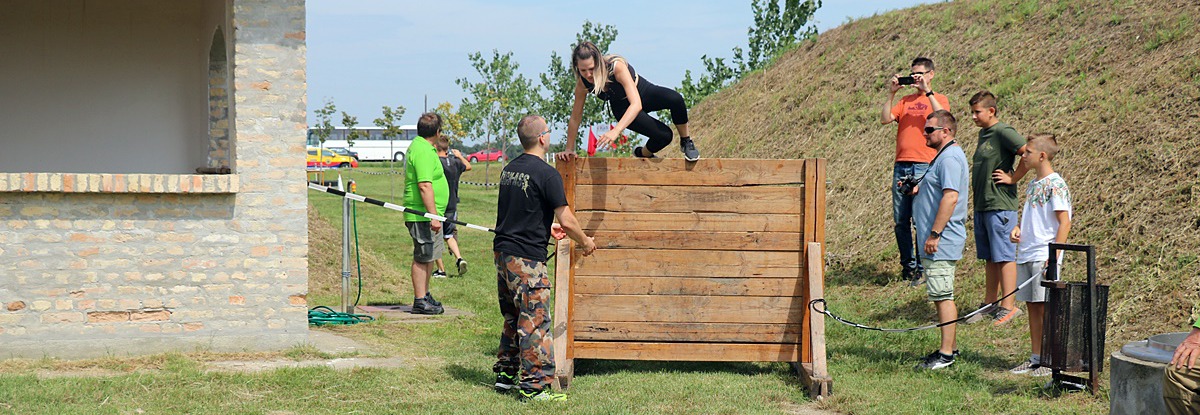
(118, 183)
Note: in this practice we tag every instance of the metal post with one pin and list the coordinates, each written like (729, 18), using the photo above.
(346, 308)
(1093, 326)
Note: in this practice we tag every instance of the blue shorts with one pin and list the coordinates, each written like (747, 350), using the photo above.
(992, 230)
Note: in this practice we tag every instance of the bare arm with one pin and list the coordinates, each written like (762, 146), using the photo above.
(886, 116)
(570, 224)
(466, 163)
(922, 85)
(945, 210)
(999, 176)
(1188, 350)
(576, 115)
(427, 199)
(1064, 226)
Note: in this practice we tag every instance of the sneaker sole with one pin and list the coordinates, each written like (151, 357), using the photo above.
(462, 268)
(504, 387)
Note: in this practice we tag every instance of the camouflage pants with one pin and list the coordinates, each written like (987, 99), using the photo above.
(526, 343)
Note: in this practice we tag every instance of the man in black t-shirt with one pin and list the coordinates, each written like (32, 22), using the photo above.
(453, 164)
(531, 197)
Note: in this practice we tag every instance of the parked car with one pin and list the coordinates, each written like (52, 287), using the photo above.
(319, 158)
(343, 151)
(490, 154)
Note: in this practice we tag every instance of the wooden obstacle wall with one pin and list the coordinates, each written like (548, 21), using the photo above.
(703, 261)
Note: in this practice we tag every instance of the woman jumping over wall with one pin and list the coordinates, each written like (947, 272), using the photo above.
(630, 97)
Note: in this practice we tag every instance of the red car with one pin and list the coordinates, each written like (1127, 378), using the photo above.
(486, 155)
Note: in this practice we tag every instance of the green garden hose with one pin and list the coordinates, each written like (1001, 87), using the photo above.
(322, 315)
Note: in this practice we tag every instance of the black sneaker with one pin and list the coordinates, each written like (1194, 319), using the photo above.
(429, 298)
(462, 266)
(506, 382)
(637, 152)
(437, 273)
(935, 361)
(915, 277)
(420, 306)
(690, 153)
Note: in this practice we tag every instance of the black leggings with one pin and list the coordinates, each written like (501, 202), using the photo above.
(654, 98)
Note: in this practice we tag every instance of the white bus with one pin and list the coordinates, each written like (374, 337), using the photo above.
(372, 145)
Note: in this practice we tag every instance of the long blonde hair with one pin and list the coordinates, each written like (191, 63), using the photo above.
(588, 50)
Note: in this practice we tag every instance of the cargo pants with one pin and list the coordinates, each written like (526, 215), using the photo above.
(526, 343)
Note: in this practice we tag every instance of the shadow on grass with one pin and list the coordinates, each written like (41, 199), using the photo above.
(918, 310)
(602, 367)
(861, 273)
(475, 375)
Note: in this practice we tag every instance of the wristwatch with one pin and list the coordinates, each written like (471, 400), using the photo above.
(935, 234)
(929, 94)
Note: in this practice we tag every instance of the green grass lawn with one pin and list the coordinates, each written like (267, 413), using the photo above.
(449, 362)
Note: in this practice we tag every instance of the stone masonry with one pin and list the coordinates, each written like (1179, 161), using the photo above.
(103, 264)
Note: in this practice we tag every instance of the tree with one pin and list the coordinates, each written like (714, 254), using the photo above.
(774, 32)
(452, 122)
(559, 82)
(391, 131)
(324, 127)
(350, 121)
(498, 101)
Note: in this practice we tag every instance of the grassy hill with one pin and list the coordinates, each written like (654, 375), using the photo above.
(1118, 82)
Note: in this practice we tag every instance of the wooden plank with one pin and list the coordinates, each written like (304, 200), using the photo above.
(569, 171)
(697, 352)
(752, 287)
(816, 347)
(699, 240)
(683, 263)
(687, 309)
(691, 221)
(809, 234)
(692, 332)
(666, 199)
(677, 172)
(562, 301)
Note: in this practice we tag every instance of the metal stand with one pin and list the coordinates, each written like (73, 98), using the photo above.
(346, 307)
(1093, 328)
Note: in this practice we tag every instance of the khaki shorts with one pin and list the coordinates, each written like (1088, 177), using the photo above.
(939, 279)
(1034, 292)
(427, 244)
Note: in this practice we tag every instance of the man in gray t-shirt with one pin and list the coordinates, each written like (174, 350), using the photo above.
(939, 214)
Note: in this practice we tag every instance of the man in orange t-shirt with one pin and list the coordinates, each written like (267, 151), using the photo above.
(912, 155)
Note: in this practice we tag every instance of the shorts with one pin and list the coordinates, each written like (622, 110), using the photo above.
(992, 231)
(449, 229)
(939, 279)
(427, 244)
(1034, 292)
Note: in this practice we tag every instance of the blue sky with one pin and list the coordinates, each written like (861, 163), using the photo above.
(364, 54)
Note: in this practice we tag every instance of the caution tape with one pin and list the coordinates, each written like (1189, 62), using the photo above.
(479, 184)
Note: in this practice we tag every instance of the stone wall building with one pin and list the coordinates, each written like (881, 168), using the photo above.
(111, 243)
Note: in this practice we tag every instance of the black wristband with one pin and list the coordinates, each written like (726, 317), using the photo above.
(929, 94)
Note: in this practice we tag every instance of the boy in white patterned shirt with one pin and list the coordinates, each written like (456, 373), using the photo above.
(1045, 218)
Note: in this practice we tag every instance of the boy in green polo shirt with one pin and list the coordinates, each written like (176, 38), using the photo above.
(425, 188)
(995, 204)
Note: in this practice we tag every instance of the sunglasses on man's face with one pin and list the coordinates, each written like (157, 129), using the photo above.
(930, 130)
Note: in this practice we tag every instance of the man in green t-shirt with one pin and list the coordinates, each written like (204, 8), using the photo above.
(425, 188)
(996, 205)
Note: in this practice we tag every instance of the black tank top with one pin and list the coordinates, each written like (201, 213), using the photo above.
(613, 90)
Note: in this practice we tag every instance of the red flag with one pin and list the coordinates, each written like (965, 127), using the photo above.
(591, 142)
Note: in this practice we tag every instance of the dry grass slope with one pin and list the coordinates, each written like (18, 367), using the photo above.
(1119, 82)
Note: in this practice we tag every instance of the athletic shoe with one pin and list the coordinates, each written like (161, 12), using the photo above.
(439, 274)
(935, 361)
(546, 394)
(462, 266)
(420, 306)
(1041, 371)
(1025, 367)
(637, 152)
(690, 153)
(429, 298)
(915, 277)
(988, 312)
(506, 382)
(1004, 315)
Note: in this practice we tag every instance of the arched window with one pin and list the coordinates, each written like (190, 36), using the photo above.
(220, 152)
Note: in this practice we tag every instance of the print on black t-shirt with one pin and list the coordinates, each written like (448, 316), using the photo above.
(530, 190)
